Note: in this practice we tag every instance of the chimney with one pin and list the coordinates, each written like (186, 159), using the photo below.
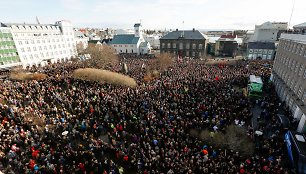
(193, 29)
(176, 30)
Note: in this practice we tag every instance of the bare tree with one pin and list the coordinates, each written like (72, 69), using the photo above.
(80, 48)
(101, 56)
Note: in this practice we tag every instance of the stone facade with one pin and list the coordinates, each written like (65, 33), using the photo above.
(289, 75)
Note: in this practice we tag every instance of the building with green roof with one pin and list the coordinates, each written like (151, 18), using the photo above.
(131, 43)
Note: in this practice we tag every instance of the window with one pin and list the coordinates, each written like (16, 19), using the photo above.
(194, 46)
(187, 53)
(200, 46)
(32, 41)
(255, 51)
(187, 45)
(29, 49)
(301, 50)
(251, 51)
(40, 48)
(22, 49)
(293, 65)
(181, 46)
(115, 45)
(193, 53)
(300, 92)
(20, 42)
(297, 68)
(200, 54)
(174, 45)
(163, 45)
(301, 70)
(26, 42)
(38, 41)
(169, 45)
(304, 97)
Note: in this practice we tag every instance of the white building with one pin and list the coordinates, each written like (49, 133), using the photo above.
(269, 31)
(81, 40)
(131, 43)
(38, 44)
(153, 40)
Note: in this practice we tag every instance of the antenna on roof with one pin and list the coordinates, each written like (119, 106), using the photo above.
(183, 28)
(291, 13)
(37, 20)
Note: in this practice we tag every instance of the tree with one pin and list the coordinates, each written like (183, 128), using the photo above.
(80, 48)
(101, 56)
(163, 61)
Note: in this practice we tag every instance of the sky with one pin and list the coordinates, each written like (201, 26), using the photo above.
(155, 14)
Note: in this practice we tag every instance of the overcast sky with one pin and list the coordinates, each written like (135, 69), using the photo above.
(155, 14)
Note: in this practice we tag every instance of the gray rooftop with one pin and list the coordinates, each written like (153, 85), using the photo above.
(294, 37)
(125, 39)
(302, 25)
(261, 45)
(137, 25)
(188, 34)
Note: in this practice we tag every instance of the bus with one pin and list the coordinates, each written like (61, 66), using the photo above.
(254, 88)
(296, 148)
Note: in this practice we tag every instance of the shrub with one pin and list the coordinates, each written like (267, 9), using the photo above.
(22, 76)
(109, 77)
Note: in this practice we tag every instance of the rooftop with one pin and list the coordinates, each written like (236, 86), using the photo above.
(137, 25)
(295, 37)
(302, 25)
(125, 39)
(187, 34)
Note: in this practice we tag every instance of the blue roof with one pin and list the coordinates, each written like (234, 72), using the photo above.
(188, 34)
(125, 39)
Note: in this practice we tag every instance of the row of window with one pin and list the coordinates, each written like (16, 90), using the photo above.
(35, 27)
(40, 48)
(181, 45)
(4, 47)
(8, 54)
(291, 64)
(9, 60)
(6, 39)
(20, 42)
(46, 54)
(260, 51)
(297, 88)
(124, 45)
(294, 47)
(187, 53)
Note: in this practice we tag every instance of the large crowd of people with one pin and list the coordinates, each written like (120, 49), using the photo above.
(64, 125)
